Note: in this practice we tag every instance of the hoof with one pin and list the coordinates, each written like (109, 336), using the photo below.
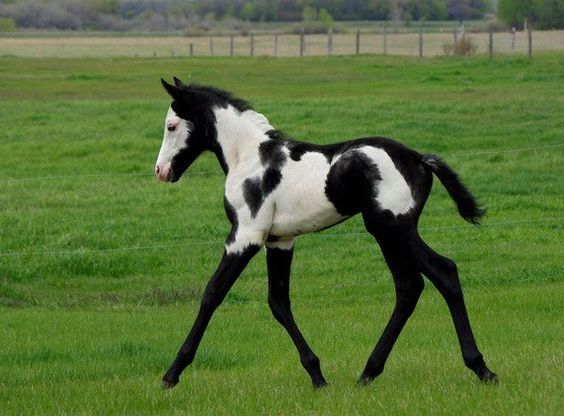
(168, 384)
(489, 378)
(364, 381)
(320, 385)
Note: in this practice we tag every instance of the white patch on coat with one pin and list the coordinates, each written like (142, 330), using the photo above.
(300, 202)
(239, 135)
(173, 142)
(285, 244)
(393, 191)
(296, 206)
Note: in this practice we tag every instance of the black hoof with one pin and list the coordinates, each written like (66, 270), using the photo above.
(320, 384)
(364, 381)
(168, 384)
(489, 378)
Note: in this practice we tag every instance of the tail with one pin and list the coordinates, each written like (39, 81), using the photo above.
(468, 207)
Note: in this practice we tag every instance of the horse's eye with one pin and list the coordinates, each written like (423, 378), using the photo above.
(172, 127)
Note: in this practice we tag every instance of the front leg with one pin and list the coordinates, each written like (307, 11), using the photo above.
(231, 266)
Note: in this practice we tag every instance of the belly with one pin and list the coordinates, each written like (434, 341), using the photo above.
(300, 203)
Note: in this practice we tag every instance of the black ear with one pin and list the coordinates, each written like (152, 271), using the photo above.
(178, 83)
(172, 90)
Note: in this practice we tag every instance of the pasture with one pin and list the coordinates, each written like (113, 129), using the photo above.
(51, 45)
(102, 267)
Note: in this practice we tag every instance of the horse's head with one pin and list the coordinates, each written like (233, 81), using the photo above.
(188, 131)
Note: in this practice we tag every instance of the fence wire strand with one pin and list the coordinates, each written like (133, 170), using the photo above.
(211, 242)
(219, 172)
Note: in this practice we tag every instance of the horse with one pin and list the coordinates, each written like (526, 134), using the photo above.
(277, 188)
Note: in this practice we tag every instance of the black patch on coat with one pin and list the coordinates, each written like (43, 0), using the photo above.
(271, 154)
(352, 182)
(252, 193)
(257, 189)
(232, 217)
(270, 180)
(298, 149)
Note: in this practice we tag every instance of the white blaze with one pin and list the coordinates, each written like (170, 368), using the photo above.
(173, 142)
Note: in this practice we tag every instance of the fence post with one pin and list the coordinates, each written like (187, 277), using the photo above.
(357, 41)
(191, 49)
(421, 39)
(231, 45)
(302, 42)
(211, 45)
(252, 44)
(490, 43)
(276, 44)
(330, 41)
(385, 39)
(513, 39)
(530, 40)
(455, 35)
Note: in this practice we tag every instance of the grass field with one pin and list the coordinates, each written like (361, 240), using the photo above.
(101, 267)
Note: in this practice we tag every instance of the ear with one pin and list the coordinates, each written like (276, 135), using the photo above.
(178, 83)
(172, 90)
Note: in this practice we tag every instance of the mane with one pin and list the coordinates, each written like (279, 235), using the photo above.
(220, 97)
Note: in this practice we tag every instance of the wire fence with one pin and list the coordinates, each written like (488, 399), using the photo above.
(165, 245)
(377, 39)
(218, 241)
(219, 172)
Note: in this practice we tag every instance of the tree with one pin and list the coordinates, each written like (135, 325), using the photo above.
(467, 9)
(544, 14)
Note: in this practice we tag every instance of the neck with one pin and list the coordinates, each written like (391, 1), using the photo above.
(239, 135)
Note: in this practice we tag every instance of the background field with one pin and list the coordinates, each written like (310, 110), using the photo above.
(371, 41)
(101, 267)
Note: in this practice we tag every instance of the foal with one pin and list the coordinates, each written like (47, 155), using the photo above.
(277, 189)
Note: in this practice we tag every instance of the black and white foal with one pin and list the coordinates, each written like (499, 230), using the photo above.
(277, 189)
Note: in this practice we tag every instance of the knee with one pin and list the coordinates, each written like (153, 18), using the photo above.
(451, 283)
(276, 307)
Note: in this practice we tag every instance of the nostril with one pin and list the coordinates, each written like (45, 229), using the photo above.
(158, 170)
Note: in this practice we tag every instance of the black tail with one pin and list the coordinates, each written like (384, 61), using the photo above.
(467, 205)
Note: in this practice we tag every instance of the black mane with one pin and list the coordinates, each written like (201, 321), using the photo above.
(219, 97)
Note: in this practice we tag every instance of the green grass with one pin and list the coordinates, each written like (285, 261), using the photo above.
(89, 328)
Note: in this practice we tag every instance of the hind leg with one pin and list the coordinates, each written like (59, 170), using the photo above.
(442, 272)
(394, 242)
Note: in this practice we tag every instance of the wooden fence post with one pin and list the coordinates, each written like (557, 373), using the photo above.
(276, 44)
(513, 39)
(490, 43)
(357, 41)
(211, 45)
(385, 39)
(330, 41)
(421, 39)
(231, 45)
(302, 42)
(252, 44)
(455, 35)
(530, 40)
(191, 49)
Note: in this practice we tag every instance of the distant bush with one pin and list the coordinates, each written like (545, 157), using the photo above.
(463, 47)
(7, 24)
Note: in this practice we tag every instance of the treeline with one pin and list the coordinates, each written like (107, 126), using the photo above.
(163, 15)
